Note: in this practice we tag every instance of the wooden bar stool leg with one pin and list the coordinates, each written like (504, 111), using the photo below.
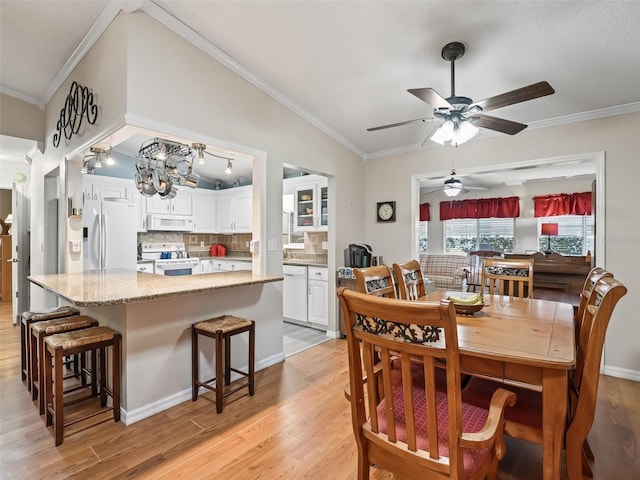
(24, 351)
(219, 372)
(103, 375)
(194, 364)
(58, 425)
(47, 388)
(33, 362)
(252, 357)
(40, 349)
(227, 359)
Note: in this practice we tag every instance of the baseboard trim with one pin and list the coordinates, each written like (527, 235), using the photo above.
(625, 373)
(150, 409)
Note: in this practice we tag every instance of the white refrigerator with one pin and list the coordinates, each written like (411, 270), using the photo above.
(109, 234)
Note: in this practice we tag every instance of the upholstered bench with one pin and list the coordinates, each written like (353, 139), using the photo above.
(221, 329)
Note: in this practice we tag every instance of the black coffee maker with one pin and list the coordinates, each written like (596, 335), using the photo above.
(358, 255)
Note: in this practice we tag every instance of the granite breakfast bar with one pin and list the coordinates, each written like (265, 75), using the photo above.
(154, 315)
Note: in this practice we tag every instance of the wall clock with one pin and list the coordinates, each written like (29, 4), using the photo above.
(386, 212)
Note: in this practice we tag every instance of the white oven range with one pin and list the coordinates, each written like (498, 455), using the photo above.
(169, 258)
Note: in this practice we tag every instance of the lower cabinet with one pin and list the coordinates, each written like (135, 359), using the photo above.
(318, 290)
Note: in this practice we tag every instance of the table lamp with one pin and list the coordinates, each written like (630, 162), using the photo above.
(549, 229)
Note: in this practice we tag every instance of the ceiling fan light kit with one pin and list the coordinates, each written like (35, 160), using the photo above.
(460, 116)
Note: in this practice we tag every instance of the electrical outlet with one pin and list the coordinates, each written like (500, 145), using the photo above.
(202, 243)
(246, 244)
(325, 245)
(271, 245)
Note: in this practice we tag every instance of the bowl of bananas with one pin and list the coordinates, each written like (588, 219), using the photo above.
(466, 304)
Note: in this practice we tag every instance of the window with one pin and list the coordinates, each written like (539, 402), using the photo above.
(423, 239)
(466, 235)
(575, 234)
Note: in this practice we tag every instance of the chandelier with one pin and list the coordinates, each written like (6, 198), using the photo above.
(162, 165)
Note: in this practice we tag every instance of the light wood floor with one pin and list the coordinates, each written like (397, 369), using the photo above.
(296, 426)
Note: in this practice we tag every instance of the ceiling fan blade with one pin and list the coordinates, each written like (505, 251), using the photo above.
(523, 94)
(430, 96)
(439, 189)
(408, 122)
(498, 124)
(468, 187)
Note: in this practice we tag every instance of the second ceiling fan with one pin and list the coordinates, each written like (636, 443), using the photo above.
(459, 116)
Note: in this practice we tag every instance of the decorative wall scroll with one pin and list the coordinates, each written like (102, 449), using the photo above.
(78, 105)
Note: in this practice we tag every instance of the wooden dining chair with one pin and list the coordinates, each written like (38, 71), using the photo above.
(376, 281)
(410, 428)
(524, 421)
(508, 276)
(409, 279)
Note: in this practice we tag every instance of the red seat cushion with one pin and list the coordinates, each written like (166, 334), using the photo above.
(526, 411)
(473, 420)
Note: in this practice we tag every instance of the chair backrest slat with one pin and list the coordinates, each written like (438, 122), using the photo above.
(593, 276)
(376, 281)
(508, 276)
(410, 280)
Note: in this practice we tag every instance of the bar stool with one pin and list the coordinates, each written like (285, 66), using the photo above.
(222, 328)
(26, 319)
(41, 330)
(78, 342)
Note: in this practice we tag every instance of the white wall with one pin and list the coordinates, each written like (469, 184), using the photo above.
(615, 136)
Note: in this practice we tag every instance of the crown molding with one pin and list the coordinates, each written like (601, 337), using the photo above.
(551, 122)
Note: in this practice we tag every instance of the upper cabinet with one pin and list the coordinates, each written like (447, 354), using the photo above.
(97, 188)
(310, 206)
(235, 210)
(181, 204)
(204, 211)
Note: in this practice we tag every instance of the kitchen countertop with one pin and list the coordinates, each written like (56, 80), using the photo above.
(303, 263)
(118, 286)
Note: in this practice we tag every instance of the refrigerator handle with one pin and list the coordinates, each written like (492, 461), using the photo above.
(103, 241)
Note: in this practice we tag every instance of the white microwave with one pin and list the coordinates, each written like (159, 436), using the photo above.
(169, 223)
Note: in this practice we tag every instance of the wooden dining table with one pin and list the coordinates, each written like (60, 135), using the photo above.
(528, 343)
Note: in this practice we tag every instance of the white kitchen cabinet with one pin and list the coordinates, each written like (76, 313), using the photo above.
(310, 202)
(204, 211)
(97, 188)
(235, 210)
(318, 296)
(181, 204)
(294, 293)
(235, 265)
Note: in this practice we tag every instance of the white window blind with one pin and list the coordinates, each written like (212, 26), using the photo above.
(468, 234)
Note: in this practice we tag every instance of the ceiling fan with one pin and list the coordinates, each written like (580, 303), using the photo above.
(453, 186)
(459, 117)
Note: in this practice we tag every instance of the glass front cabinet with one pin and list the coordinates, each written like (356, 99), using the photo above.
(311, 207)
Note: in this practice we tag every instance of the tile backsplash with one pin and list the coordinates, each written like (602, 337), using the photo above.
(198, 244)
(237, 244)
(312, 252)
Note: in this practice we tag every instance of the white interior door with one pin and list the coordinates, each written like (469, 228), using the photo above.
(20, 250)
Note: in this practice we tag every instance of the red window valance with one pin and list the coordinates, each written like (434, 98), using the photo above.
(425, 213)
(562, 204)
(508, 207)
